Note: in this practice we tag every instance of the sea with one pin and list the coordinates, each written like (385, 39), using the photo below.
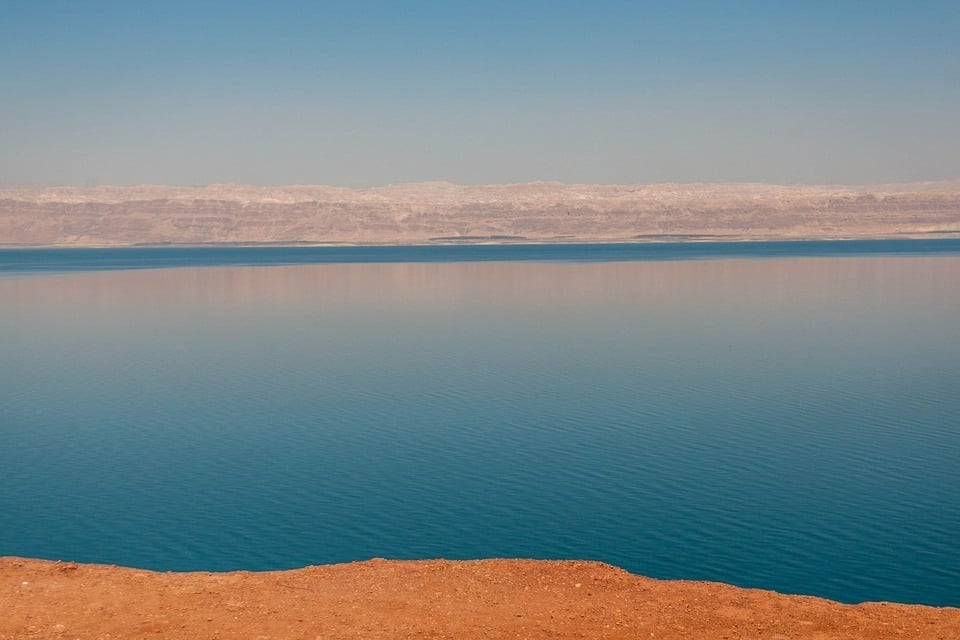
(778, 415)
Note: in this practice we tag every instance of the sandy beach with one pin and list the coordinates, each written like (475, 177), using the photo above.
(428, 599)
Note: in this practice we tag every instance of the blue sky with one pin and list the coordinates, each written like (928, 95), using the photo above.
(371, 93)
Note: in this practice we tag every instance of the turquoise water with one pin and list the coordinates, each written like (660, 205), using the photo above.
(780, 416)
(47, 260)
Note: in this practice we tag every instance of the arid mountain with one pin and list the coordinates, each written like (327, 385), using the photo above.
(443, 212)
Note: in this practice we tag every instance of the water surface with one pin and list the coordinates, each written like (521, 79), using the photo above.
(26, 260)
(786, 423)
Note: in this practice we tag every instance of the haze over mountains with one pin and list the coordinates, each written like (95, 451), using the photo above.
(448, 213)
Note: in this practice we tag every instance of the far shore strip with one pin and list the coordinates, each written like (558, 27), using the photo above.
(443, 213)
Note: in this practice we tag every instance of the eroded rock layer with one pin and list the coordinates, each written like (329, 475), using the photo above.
(442, 212)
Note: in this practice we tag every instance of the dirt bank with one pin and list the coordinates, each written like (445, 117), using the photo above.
(427, 599)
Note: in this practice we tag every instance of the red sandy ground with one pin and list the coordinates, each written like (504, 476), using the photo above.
(428, 599)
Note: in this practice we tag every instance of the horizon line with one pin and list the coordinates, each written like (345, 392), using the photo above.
(955, 182)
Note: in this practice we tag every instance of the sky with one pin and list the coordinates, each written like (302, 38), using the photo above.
(367, 93)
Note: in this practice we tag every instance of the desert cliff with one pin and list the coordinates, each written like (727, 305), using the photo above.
(443, 213)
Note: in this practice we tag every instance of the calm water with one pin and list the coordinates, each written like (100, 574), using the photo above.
(791, 422)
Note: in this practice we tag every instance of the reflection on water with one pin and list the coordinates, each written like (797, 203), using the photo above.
(790, 424)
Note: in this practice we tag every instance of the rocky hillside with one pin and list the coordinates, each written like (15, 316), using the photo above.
(442, 212)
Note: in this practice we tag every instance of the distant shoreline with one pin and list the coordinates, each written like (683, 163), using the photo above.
(929, 235)
(442, 213)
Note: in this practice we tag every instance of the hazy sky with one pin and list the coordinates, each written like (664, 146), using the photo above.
(361, 93)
